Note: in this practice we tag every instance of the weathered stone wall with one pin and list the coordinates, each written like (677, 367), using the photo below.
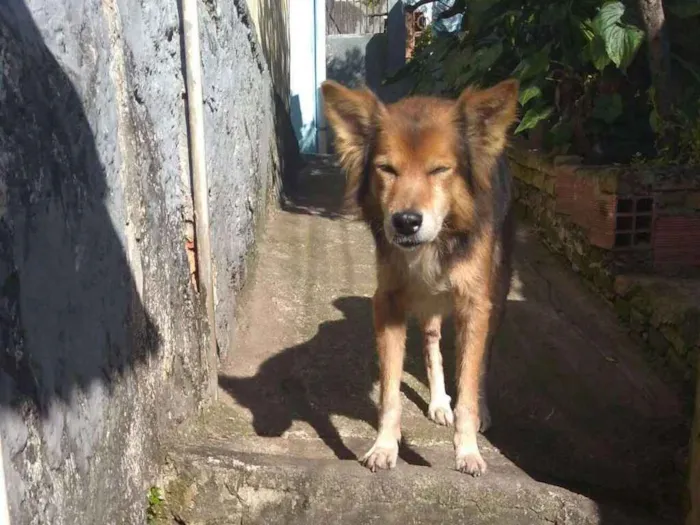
(241, 139)
(270, 20)
(102, 339)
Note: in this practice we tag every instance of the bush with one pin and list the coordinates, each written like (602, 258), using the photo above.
(585, 81)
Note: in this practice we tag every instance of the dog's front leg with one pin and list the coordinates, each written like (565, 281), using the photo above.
(390, 330)
(472, 314)
(439, 409)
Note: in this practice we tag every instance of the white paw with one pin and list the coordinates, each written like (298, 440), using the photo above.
(440, 411)
(471, 463)
(381, 456)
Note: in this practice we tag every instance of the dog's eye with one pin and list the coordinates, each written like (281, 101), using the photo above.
(439, 170)
(386, 168)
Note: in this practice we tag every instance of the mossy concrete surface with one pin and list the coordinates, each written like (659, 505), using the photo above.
(295, 481)
(666, 312)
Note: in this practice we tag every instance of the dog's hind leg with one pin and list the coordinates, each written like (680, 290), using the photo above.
(502, 276)
(390, 329)
(439, 409)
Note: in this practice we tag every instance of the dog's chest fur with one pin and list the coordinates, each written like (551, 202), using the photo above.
(426, 280)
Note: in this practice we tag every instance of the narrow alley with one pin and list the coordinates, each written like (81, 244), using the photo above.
(186, 325)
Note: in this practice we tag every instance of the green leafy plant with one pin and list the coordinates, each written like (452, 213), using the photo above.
(582, 65)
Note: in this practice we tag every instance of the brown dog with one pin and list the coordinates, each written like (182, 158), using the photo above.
(430, 180)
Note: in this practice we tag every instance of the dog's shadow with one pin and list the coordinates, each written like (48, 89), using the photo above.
(540, 422)
(331, 374)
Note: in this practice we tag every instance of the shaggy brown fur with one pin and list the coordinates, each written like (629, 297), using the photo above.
(429, 178)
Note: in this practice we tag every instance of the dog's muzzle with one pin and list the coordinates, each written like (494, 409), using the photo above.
(406, 227)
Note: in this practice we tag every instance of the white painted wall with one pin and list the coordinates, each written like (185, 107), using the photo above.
(307, 65)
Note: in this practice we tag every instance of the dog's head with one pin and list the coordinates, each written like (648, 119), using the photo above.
(416, 167)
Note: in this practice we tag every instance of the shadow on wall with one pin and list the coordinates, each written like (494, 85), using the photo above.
(287, 145)
(376, 64)
(296, 121)
(70, 314)
(295, 113)
(273, 30)
(358, 60)
(396, 53)
(349, 70)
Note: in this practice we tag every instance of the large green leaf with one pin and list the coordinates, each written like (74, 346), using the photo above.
(621, 40)
(609, 14)
(528, 93)
(532, 117)
(597, 54)
(607, 108)
(623, 44)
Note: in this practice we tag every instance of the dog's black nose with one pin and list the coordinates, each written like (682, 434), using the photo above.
(406, 222)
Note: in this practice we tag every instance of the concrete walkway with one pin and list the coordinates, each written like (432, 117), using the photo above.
(577, 411)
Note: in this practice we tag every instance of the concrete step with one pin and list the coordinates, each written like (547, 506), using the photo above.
(256, 480)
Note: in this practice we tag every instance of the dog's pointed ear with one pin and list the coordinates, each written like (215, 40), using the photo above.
(352, 114)
(490, 113)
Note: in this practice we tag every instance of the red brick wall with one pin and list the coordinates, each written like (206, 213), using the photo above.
(676, 241)
(579, 198)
